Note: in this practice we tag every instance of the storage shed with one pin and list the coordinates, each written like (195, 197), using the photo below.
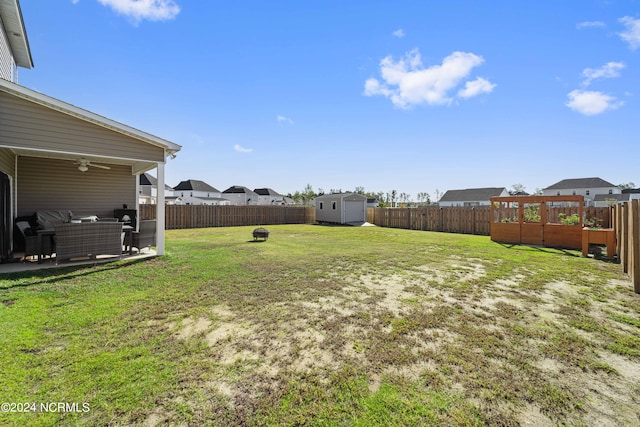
(341, 208)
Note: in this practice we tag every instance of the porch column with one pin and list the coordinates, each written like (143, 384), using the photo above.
(160, 211)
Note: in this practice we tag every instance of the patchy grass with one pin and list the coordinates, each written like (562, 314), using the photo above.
(325, 326)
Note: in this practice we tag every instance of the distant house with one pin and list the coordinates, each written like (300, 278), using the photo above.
(267, 196)
(341, 208)
(195, 192)
(586, 187)
(148, 190)
(238, 195)
(472, 196)
(372, 203)
(604, 200)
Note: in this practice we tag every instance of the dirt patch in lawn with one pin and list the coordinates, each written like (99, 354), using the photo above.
(540, 349)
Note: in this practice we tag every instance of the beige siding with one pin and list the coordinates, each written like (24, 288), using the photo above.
(28, 125)
(48, 184)
(7, 161)
(6, 58)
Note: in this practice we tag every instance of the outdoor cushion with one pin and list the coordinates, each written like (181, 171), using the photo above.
(47, 219)
(25, 228)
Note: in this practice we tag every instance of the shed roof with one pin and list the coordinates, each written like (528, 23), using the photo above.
(342, 196)
(472, 194)
(195, 185)
(568, 184)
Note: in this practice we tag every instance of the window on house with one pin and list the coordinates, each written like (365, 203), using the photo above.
(333, 205)
(321, 205)
(610, 191)
(574, 193)
(558, 193)
(587, 192)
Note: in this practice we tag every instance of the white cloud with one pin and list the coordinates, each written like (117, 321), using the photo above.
(284, 119)
(399, 33)
(153, 10)
(607, 71)
(591, 24)
(407, 82)
(632, 34)
(476, 87)
(241, 149)
(591, 103)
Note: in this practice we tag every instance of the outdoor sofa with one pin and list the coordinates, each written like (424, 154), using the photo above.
(71, 236)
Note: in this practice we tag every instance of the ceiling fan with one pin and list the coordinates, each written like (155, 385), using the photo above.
(83, 165)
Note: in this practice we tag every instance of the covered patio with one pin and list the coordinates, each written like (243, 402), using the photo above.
(55, 156)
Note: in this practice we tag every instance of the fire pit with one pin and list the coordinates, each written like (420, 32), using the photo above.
(260, 233)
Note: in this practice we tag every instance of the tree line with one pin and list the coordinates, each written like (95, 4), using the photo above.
(393, 198)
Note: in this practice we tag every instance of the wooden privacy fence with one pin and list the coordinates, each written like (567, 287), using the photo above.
(626, 220)
(466, 220)
(469, 220)
(201, 216)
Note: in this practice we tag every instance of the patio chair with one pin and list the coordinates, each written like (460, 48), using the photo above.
(30, 238)
(145, 236)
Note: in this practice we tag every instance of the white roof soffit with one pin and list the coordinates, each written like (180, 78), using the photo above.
(16, 32)
(88, 116)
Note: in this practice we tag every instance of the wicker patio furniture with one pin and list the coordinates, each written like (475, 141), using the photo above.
(30, 239)
(88, 239)
(145, 236)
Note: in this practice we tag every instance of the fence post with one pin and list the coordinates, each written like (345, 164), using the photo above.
(624, 255)
(634, 240)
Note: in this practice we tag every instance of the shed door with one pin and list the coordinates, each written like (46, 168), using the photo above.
(354, 212)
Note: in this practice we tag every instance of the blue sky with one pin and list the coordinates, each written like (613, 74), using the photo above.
(416, 96)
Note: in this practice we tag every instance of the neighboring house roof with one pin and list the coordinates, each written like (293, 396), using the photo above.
(146, 179)
(372, 200)
(238, 189)
(631, 191)
(266, 192)
(195, 185)
(11, 18)
(472, 194)
(569, 184)
(610, 197)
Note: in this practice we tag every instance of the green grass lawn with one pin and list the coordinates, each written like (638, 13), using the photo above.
(325, 326)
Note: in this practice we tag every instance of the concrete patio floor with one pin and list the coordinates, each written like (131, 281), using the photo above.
(19, 266)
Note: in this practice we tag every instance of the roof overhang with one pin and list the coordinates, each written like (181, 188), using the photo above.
(54, 104)
(16, 33)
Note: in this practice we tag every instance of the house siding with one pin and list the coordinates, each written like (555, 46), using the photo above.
(25, 124)
(7, 161)
(7, 63)
(50, 184)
